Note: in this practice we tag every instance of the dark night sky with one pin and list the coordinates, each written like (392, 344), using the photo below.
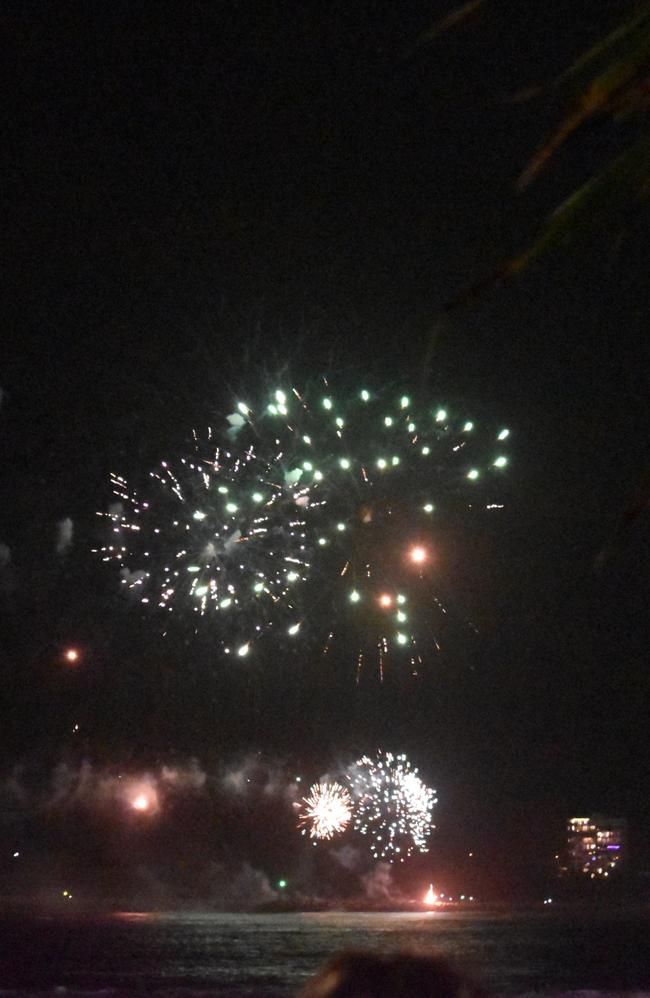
(201, 195)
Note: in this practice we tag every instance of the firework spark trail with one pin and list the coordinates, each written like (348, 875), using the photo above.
(309, 517)
(392, 806)
(327, 810)
(223, 533)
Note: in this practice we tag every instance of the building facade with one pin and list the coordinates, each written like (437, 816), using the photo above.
(595, 847)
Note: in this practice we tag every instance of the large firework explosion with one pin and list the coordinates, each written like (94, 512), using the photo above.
(392, 806)
(310, 516)
(326, 812)
(222, 532)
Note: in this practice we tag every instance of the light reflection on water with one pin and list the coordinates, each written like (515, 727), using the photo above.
(512, 953)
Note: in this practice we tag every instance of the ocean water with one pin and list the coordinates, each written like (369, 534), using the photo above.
(552, 952)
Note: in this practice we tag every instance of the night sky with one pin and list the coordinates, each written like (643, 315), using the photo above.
(203, 197)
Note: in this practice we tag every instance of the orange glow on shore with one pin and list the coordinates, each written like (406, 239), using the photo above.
(430, 897)
(385, 600)
(418, 554)
(140, 803)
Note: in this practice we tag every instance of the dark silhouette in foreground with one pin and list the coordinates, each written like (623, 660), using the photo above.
(362, 974)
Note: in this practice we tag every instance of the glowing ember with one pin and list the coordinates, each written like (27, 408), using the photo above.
(430, 897)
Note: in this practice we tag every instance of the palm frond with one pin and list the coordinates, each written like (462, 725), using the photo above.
(450, 20)
(617, 87)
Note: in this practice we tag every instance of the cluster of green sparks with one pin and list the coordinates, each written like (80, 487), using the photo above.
(310, 516)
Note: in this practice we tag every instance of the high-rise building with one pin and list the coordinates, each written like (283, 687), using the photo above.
(595, 847)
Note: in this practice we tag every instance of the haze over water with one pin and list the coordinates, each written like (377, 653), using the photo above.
(132, 954)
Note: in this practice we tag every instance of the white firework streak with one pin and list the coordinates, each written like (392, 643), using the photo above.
(392, 806)
(327, 810)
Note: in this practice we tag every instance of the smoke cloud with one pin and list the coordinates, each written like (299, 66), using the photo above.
(255, 776)
(84, 784)
(132, 578)
(7, 582)
(349, 858)
(65, 531)
(246, 888)
(378, 883)
(189, 777)
(13, 793)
